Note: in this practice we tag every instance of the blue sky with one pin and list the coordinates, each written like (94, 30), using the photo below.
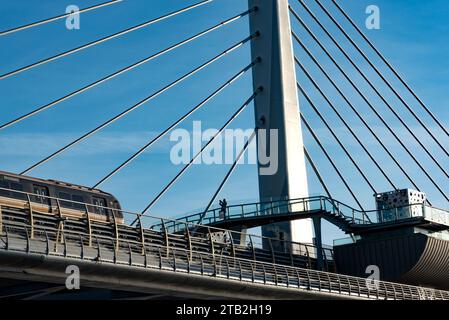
(413, 36)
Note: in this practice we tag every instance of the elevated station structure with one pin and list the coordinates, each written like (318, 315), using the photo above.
(409, 243)
(192, 264)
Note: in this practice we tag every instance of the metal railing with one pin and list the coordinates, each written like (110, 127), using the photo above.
(214, 253)
(269, 208)
(234, 243)
(71, 244)
(307, 206)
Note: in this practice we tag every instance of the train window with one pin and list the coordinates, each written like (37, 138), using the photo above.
(4, 184)
(65, 196)
(99, 202)
(11, 184)
(41, 194)
(78, 206)
(18, 187)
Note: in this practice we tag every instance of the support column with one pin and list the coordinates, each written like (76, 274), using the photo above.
(318, 243)
(277, 108)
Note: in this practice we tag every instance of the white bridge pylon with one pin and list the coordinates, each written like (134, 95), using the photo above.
(277, 108)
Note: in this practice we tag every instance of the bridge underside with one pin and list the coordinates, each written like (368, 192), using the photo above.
(415, 259)
(151, 283)
(13, 289)
(153, 263)
(257, 221)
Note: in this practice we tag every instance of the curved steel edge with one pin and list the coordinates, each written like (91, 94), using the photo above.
(431, 269)
(415, 259)
(51, 269)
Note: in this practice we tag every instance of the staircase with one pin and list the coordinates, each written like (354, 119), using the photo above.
(340, 220)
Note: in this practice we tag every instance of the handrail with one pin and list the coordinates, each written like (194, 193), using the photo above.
(336, 207)
(17, 219)
(303, 200)
(167, 221)
(273, 274)
(180, 225)
(283, 203)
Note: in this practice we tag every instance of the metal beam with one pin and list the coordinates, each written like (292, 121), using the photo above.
(318, 242)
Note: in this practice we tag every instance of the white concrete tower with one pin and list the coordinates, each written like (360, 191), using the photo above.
(277, 107)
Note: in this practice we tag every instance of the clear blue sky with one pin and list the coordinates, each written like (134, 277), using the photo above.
(413, 36)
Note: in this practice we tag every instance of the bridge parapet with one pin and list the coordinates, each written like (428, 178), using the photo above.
(150, 230)
(27, 235)
(40, 256)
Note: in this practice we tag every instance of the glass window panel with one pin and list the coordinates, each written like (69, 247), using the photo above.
(65, 196)
(78, 198)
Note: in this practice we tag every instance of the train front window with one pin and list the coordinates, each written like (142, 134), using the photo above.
(98, 203)
(42, 194)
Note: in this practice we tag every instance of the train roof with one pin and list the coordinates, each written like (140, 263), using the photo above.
(53, 182)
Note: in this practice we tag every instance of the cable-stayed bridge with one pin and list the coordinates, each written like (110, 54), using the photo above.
(312, 68)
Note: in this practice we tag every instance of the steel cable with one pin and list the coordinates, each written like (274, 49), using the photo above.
(59, 17)
(329, 158)
(401, 79)
(379, 94)
(173, 125)
(342, 119)
(107, 38)
(122, 71)
(139, 104)
(199, 153)
(372, 108)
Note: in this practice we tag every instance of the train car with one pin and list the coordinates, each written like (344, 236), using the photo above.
(57, 197)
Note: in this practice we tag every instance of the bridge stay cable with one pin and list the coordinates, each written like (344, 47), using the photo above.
(124, 70)
(418, 163)
(342, 119)
(59, 17)
(340, 143)
(381, 97)
(104, 39)
(354, 109)
(317, 172)
(176, 123)
(228, 174)
(199, 153)
(139, 104)
(393, 70)
(390, 86)
(329, 158)
(377, 91)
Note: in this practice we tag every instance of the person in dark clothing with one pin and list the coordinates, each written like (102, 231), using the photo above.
(223, 208)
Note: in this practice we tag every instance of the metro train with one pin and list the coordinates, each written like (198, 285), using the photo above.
(74, 201)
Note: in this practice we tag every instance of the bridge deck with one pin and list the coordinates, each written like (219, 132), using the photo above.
(45, 252)
(137, 239)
